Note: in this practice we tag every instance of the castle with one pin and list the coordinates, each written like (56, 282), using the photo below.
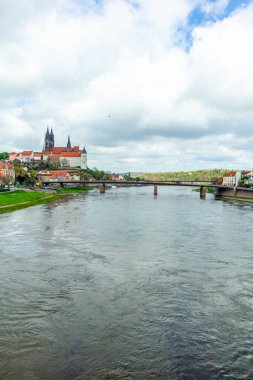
(65, 156)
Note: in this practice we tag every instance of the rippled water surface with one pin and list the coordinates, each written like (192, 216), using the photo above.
(123, 285)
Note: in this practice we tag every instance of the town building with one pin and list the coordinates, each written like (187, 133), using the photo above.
(56, 175)
(232, 179)
(247, 177)
(7, 174)
(113, 177)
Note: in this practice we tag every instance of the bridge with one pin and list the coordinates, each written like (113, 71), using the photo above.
(219, 190)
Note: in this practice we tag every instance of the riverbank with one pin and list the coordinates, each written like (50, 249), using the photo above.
(209, 190)
(71, 190)
(19, 199)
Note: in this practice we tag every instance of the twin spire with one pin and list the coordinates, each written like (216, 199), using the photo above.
(49, 141)
(51, 134)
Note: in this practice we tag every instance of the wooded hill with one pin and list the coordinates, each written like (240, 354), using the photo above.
(208, 174)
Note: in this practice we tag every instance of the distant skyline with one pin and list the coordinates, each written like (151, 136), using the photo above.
(145, 85)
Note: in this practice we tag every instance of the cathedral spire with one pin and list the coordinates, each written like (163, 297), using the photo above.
(49, 141)
(52, 138)
(69, 144)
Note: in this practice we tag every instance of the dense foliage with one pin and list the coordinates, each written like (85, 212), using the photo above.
(4, 155)
(23, 177)
(95, 173)
(206, 174)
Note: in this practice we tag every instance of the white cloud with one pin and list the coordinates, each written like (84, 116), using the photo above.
(214, 7)
(116, 79)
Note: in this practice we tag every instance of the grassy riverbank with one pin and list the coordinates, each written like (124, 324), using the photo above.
(209, 190)
(19, 199)
(16, 200)
(70, 190)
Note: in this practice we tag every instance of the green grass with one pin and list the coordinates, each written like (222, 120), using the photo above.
(20, 196)
(74, 189)
(209, 190)
(20, 199)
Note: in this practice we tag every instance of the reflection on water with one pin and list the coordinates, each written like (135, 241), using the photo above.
(123, 285)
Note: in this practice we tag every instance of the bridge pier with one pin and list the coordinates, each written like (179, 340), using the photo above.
(202, 192)
(102, 188)
(155, 190)
(217, 192)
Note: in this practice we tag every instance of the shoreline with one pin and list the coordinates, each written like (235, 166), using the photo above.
(24, 198)
(239, 199)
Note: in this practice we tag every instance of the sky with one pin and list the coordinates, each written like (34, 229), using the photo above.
(145, 85)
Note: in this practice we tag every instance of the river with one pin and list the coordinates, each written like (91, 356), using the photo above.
(124, 285)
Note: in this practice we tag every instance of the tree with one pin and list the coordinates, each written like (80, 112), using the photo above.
(31, 179)
(4, 155)
(20, 174)
(6, 180)
(65, 163)
(16, 162)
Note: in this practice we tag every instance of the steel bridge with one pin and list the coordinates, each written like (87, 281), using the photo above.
(132, 183)
(219, 190)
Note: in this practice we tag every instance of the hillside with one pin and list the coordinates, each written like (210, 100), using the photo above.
(207, 174)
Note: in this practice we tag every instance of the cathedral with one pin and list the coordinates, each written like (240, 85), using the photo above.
(49, 144)
(62, 156)
(49, 141)
(73, 156)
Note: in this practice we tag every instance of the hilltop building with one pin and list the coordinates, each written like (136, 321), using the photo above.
(65, 156)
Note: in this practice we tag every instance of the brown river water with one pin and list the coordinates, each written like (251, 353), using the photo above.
(123, 285)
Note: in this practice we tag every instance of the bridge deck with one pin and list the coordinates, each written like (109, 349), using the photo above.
(135, 183)
(140, 183)
(203, 183)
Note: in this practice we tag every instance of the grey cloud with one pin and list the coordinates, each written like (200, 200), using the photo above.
(114, 76)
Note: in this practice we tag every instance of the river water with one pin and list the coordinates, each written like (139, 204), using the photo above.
(123, 285)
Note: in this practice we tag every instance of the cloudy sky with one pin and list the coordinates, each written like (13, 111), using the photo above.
(145, 85)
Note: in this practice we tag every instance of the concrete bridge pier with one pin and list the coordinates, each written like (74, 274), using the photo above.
(202, 192)
(217, 193)
(102, 188)
(155, 190)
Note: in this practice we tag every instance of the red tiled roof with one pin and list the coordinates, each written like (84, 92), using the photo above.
(71, 154)
(230, 174)
(54, 174)
(59, 149)
(27, 152)
(6, 166)
(62, 149)
(59, 172)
